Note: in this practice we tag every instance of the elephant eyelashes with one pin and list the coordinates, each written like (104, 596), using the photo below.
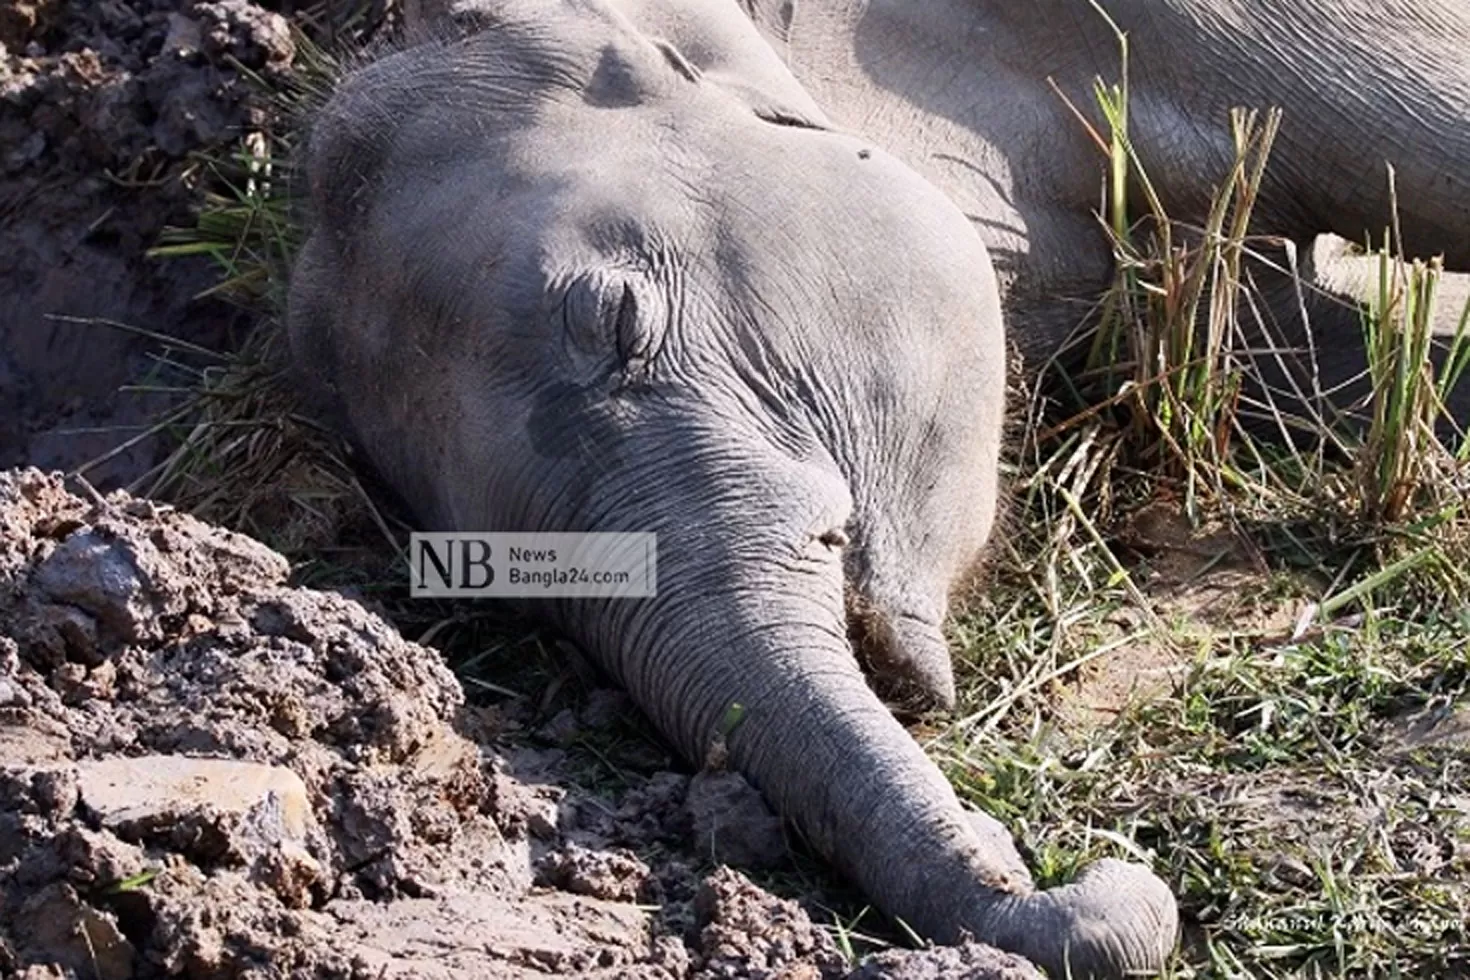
(834, 538)
(632, 342)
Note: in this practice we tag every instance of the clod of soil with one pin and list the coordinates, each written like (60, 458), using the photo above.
(747, 932)
(205, 772)
(733, 824)
(971, 961)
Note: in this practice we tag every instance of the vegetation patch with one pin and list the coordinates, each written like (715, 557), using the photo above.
(1259, 594)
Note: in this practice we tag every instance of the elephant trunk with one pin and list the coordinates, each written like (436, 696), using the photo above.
(826, 752)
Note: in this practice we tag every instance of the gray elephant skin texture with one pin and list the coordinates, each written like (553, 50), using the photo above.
(966, 92)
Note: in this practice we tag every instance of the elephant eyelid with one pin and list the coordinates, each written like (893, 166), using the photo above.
(635, 338)
(631, 343)
(604, 322)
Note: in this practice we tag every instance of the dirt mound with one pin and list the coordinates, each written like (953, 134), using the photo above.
(205, 772)
(101, 107)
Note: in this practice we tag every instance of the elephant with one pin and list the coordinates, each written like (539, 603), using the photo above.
(564, 274)
(970, 94)
(743, 274)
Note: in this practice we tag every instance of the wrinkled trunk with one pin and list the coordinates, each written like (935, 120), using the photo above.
(833, 761)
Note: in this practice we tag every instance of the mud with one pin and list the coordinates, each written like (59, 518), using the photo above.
(103, 108)
(205, 772)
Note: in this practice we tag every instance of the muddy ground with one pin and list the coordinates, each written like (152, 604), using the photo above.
(105, 106)
(205, 772)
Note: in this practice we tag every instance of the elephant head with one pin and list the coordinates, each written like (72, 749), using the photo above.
(562, 279)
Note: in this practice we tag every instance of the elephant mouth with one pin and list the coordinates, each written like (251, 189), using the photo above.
(904, 657)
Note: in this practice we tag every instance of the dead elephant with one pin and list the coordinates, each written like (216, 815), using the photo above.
(564, 278)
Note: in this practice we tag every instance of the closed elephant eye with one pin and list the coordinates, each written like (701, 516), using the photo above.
(608, 321)
(634, 344)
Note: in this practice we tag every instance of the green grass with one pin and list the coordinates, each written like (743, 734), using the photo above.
(1275, 790)
(1268, 776)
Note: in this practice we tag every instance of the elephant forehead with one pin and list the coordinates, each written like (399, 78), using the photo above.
(507, 165)
(733, 181)
(569, 109)
(737, 205)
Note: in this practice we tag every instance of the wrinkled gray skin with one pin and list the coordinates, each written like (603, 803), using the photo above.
(959, 89)
(567, 277)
